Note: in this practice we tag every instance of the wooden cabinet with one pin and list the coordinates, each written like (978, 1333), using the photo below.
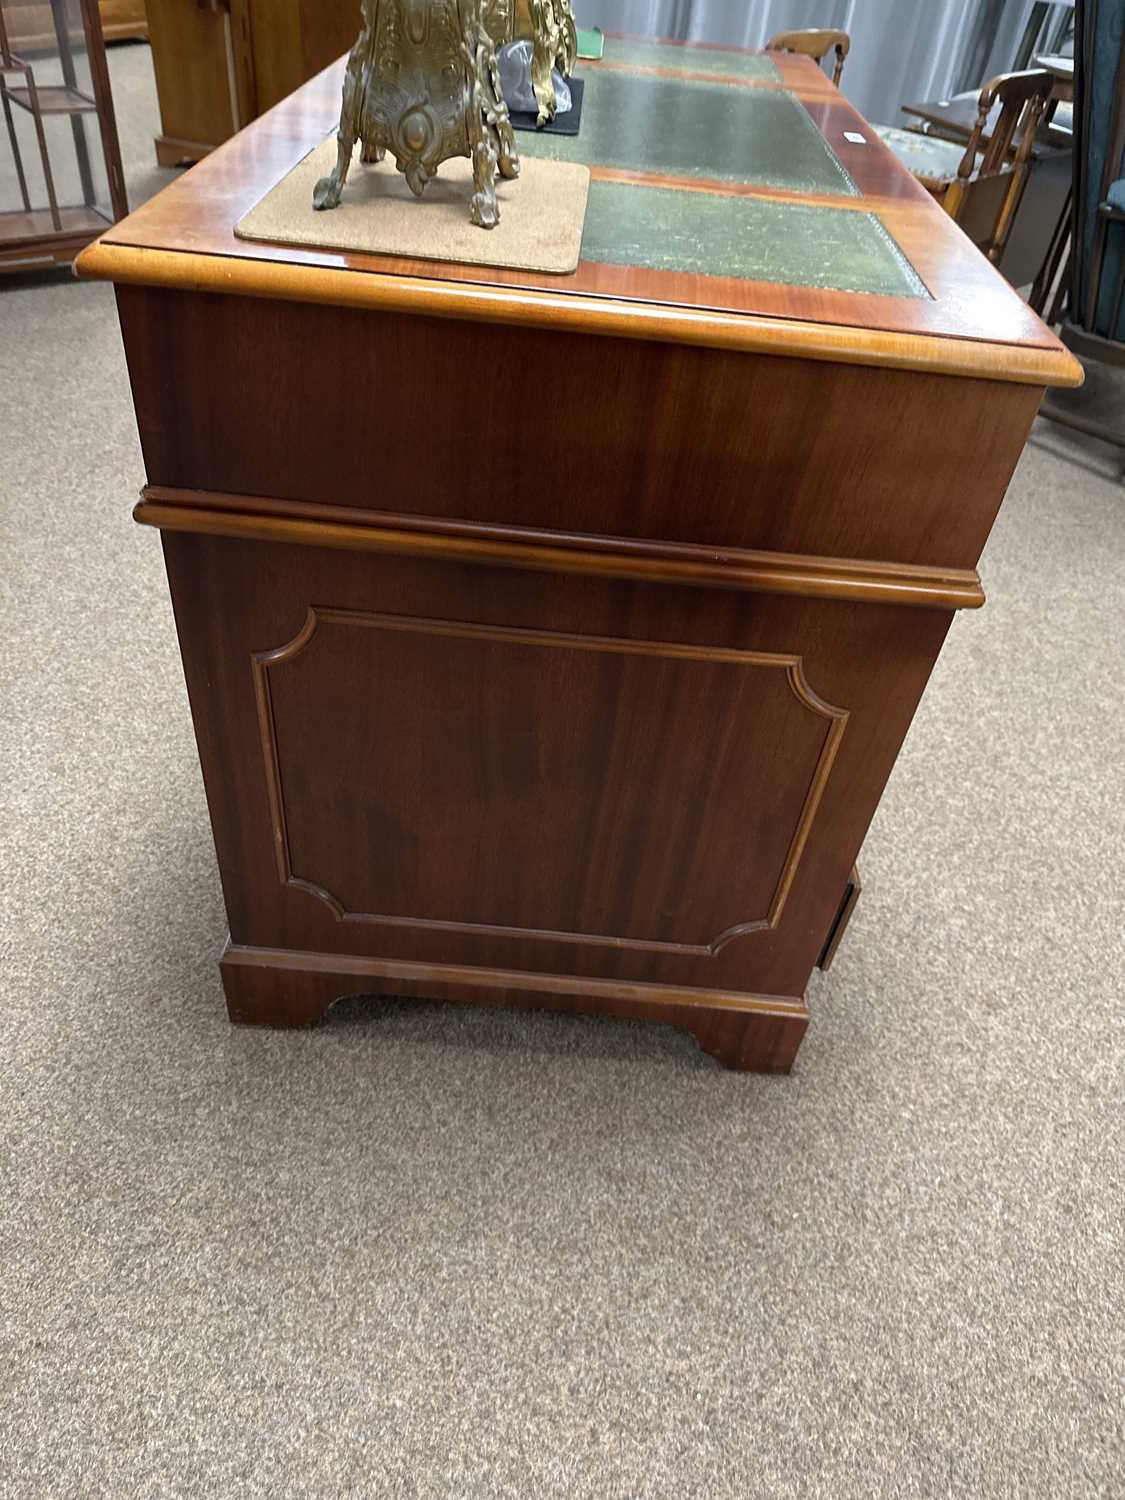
(123, 19)
(29, 25)
(29, 22)
(221, 64)
(581, 693)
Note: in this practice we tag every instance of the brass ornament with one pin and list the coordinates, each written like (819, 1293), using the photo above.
(422, 83)
(555, 44)
(550, 27)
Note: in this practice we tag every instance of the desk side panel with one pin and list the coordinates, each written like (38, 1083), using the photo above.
(510, 426)
(444, 763)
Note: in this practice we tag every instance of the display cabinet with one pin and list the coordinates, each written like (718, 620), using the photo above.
(61, 182)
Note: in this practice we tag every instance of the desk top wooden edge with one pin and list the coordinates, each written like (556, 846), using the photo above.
(183, 239)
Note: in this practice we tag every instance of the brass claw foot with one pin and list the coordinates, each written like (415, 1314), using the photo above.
(483, 210)
(327, 192)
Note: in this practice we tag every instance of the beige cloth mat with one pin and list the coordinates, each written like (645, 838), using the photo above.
(541, 213)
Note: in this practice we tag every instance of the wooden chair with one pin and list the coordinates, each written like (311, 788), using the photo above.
(814, 44)
(982, 195)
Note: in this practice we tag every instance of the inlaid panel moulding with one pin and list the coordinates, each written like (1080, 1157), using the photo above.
(265, 661)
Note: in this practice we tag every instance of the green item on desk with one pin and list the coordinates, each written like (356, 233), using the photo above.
(591, 42)
(748, 239)
(681, 127)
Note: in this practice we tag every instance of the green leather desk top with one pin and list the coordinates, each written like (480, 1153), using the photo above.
(639, 53)
(751, 239)
(726, 132)
(683, 127)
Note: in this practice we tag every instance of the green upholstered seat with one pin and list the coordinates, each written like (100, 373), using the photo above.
(924, 155)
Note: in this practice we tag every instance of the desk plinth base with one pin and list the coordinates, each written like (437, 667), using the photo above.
(279, 987)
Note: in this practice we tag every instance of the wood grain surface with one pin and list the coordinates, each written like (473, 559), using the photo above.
(659, 442)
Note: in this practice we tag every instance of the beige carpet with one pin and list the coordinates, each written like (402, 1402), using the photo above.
(445, 1253)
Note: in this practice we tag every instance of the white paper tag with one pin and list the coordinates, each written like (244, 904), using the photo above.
(855, 137)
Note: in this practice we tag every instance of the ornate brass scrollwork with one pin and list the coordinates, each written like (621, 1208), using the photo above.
(422, 82)
(555, 43)
(549, 26)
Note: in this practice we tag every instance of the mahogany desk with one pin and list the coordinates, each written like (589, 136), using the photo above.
(609, 744)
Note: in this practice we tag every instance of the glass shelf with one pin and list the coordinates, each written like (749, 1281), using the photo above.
(20, 228)
(54, 101)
